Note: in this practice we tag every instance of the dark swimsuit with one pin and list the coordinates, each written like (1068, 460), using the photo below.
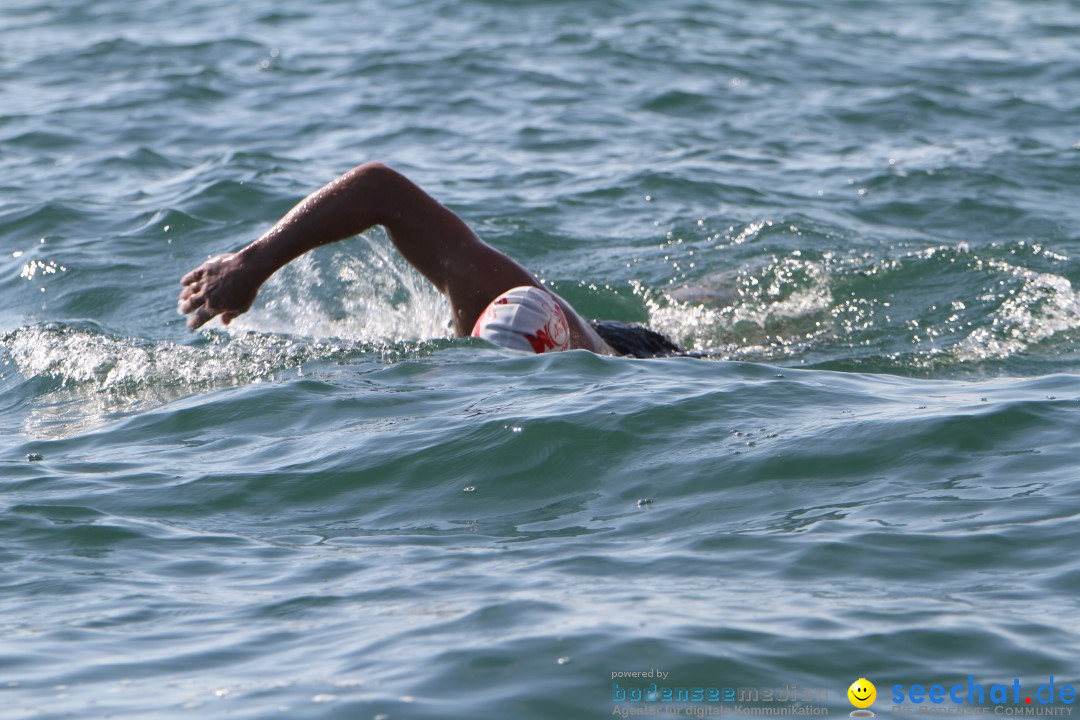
(635, 340)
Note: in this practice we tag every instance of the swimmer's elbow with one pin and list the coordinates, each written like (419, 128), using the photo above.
(376, 181)
(372, 169)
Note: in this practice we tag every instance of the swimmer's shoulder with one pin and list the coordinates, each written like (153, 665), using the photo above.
(636, 340)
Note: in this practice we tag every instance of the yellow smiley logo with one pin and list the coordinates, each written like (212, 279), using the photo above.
(862, 693)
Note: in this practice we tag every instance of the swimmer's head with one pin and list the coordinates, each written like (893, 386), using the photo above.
(525, 318)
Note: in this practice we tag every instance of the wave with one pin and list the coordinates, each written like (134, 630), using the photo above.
(76, 377)
(935, 308)
(338, 306)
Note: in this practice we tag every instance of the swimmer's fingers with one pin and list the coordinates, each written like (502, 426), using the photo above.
(191, 286)
(203, 313)
(202, 316)
(192, 276)
(190, 300)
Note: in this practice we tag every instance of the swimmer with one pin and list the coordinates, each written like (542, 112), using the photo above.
(491, 296)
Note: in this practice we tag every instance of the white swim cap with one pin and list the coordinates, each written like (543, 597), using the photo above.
(524, 318)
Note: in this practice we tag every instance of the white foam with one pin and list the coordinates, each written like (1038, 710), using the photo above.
(101, 375)
(756, 309)
(1044, 305)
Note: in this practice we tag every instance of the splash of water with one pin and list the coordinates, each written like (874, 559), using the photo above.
(746, 313)
(325, 305)
(363, 291)
(1042, 306)
(897, 310)
(91, 376)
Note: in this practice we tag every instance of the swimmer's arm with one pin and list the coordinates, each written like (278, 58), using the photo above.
(361, 198)
(427, 234)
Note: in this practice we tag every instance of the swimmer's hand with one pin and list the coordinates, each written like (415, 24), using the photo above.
(223, 285)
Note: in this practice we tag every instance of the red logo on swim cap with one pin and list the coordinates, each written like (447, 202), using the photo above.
(553, 336)
(541, 341)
